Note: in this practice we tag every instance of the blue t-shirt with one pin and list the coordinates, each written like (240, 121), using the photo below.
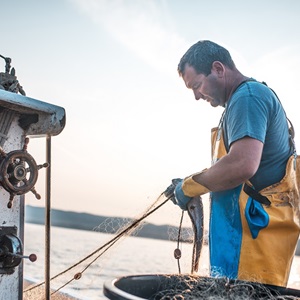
(255, 111)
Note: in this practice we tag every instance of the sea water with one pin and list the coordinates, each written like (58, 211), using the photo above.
(130, 256)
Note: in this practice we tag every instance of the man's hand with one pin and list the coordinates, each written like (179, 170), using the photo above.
(174, 191)
(171, 188)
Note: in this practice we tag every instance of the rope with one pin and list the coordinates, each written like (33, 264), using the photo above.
(177, 252)
(109, 244)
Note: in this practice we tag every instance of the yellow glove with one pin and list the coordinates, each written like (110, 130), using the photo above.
(191, 188)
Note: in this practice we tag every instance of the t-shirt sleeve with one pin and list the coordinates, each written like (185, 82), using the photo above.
(247, 116)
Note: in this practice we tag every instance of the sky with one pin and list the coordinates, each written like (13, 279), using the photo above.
(131, 124)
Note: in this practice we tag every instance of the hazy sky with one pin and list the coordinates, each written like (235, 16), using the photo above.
(132, 125)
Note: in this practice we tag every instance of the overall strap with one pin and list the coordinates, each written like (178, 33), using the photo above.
(291, 127)
(256, 195)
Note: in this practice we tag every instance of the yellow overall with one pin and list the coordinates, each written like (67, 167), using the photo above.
(249, 240)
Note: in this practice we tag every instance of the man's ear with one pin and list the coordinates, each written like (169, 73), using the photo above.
(218, 68)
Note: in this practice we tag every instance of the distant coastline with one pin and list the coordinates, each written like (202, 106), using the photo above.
(90, 222)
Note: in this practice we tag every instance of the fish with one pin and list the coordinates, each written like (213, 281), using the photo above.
(195, 212)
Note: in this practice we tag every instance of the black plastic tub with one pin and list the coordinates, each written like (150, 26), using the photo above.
(154, 287)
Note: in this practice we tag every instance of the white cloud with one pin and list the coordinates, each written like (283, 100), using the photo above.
(143, 27)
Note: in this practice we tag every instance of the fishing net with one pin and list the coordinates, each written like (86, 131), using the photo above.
(74, 273)
(177, 287)
(192, 287)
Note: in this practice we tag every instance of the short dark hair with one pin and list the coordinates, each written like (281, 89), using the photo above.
(201, 56)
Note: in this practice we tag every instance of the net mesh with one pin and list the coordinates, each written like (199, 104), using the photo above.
(71, 275)
(192, 287)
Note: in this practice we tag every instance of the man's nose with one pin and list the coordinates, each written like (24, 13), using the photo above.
(198, 95)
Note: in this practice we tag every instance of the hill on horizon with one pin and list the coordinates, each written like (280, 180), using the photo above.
(98, 223)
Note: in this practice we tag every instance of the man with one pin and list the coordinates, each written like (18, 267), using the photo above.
(253, 180)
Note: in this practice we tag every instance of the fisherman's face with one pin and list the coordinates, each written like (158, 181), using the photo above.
(208, 87)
